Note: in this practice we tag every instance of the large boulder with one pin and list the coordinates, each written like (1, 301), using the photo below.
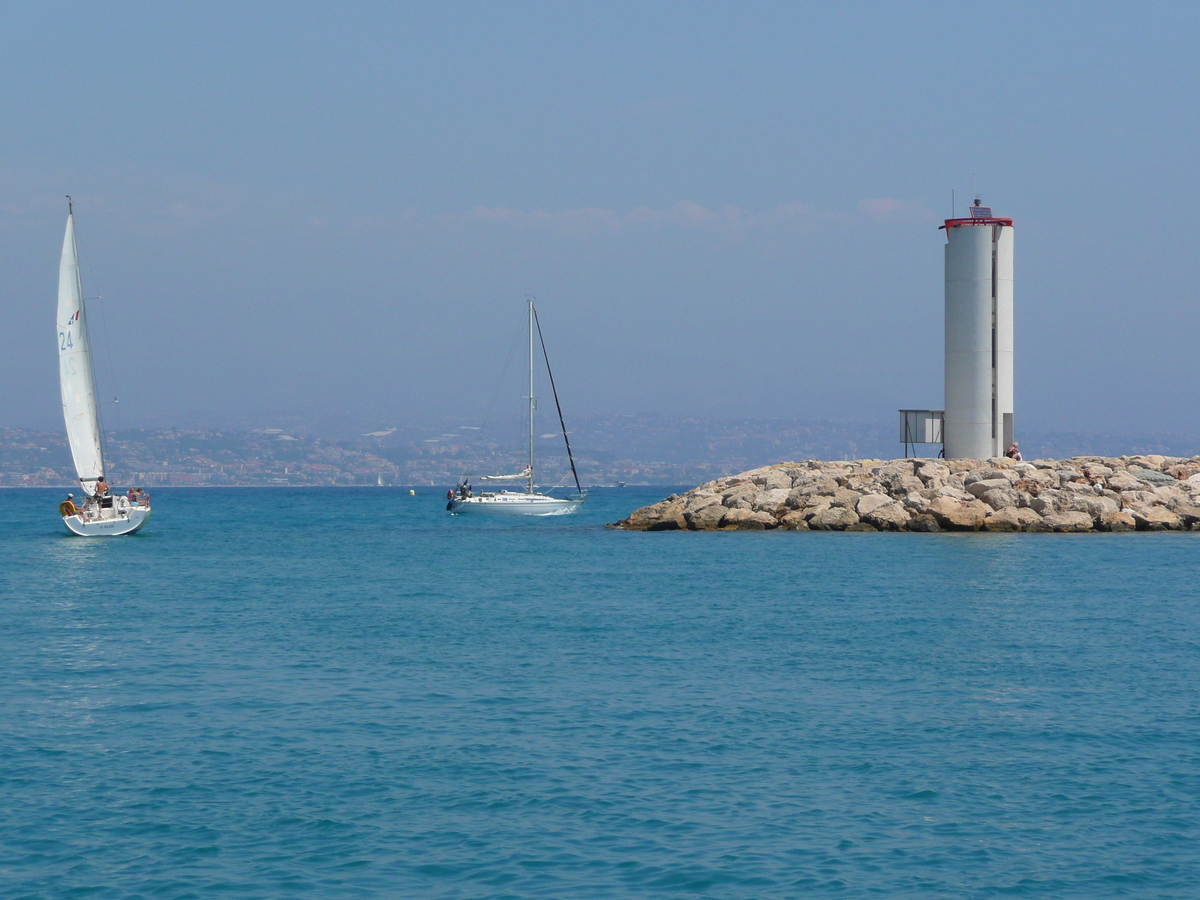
(706, 518)
(1123, 481)
(985, 473)
(1155, 518)
(883, 513)
(771, 501)
(748, 519)
(1001, 498)
(933, 474)
(1068, 521)
(1002, 520)
(1117, 521)
(739, 496)
(1188, 513)
(981, 486)
(794, 521)
(775, 480)
(923, 522)
(835, 518)
(958, 515)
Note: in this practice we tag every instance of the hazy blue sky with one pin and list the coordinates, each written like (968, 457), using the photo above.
(723, 208)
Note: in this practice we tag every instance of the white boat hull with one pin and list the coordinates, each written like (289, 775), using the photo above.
(515, 504)
(109, 522)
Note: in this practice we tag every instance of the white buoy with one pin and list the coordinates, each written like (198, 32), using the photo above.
(411, 492)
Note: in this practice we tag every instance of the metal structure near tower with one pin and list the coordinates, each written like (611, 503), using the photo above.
(979, 335)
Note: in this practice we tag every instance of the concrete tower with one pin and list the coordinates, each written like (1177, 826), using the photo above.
(979, 335)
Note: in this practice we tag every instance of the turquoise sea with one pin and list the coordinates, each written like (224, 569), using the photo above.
(349, 693)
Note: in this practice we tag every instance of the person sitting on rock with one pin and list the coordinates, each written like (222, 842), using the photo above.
(1013, 452)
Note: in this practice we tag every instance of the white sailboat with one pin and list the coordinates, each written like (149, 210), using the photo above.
(527, 502)
(98, 515)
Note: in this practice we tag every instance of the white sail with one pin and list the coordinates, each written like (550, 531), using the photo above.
(518, 476)
(75, 367)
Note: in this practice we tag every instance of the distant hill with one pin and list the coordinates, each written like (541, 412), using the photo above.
(636, 449)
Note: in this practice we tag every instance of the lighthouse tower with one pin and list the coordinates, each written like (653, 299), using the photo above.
(979, 335)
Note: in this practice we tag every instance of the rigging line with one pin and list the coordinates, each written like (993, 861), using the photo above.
(487, 418)
(108, 354)
(557, 405)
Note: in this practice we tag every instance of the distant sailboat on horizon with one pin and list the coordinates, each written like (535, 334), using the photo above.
(528, 502)
(101, 514)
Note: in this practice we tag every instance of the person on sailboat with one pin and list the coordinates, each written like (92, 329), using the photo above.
(101, 489)
(131, 496)
(68, 507)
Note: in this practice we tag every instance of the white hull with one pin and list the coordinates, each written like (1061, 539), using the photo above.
(515, 504)
(109, 522)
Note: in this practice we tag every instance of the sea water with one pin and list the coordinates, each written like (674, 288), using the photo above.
(350, 693)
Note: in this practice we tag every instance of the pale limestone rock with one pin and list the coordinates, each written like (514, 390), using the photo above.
(740, 496)
(957, 515)
(934, 472)
(775, 480)
(891, 516)
(1188, 513)
(837, 518)
(1098, 507)
(1155, 518)
(794, 521)
(748, 519)
(1123, 481)
(904, 484)
(1028, 518)
(819, 504)
(706, 518)
(963, 466)
(1117, 521)
(983, 473)
(981, 486)
(917, 502)
(701, 499)
(1138, 498)
(1000, 498)
(1068, 521)
(952, 493)
(1002, 520)
(896, 467)
(770, 500)
(845, 497)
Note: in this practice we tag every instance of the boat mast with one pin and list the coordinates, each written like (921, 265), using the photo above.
(531, 398)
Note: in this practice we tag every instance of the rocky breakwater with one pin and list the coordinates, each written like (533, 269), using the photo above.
(1088, 493)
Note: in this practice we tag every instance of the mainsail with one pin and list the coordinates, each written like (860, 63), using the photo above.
(75, 368)
(519, 476)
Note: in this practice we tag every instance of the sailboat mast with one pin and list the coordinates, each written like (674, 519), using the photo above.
(531, 399)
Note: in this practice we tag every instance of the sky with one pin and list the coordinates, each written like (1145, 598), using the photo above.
(723, 209)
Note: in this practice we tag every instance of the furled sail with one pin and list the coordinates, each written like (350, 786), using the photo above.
(75, 368)
(520, 476)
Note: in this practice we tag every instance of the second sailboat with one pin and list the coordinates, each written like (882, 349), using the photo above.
(528, 502)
